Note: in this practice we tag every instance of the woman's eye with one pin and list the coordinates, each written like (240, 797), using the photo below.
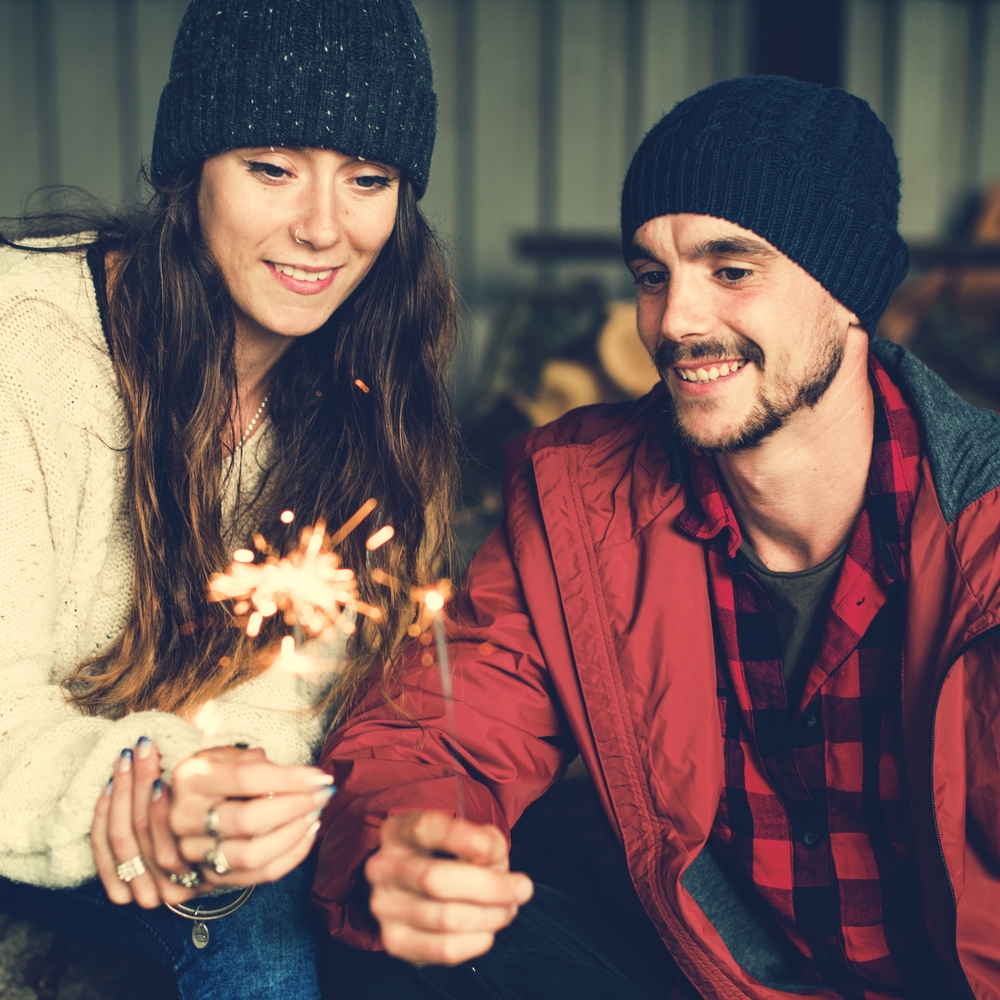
(369, 181)
(734, 273)
(271, 170)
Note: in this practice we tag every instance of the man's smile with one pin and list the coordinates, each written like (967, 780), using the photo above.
(710, 372)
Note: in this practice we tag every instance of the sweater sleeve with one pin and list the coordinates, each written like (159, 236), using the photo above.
(54, 761)
(511, 740)
(58, 480)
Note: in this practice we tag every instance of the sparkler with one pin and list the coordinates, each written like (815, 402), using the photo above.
(313, 590)
(433, 600)
(309, 586)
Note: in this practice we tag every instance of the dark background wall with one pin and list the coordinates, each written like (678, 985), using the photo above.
(542, 102)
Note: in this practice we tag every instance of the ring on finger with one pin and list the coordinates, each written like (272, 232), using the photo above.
(132, 868)
(212, 823)
(217, 860)
(188, 880)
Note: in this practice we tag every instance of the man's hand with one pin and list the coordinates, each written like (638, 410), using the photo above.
(442, 887)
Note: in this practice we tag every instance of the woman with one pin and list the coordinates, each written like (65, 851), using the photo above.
(270, 333)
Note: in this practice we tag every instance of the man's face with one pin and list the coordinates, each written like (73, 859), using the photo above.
(742, 336)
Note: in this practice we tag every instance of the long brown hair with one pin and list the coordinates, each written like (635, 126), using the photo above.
(172, 336)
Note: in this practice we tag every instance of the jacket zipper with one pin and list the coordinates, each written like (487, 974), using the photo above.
(992, 630)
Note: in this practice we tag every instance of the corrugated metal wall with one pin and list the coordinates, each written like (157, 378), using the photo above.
(542, 101)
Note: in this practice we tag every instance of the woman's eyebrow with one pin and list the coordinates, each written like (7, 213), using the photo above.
(730, 246)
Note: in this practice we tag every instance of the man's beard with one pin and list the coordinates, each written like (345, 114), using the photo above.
(774, 404)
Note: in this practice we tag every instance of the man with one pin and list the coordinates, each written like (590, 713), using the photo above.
(762, 602)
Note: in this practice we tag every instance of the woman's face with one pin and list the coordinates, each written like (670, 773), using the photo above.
(294, 231)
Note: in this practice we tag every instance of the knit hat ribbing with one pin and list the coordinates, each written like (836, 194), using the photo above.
(810, 169)
(332, 74)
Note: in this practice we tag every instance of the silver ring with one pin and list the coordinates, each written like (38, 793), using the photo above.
(132, 868)
(212, 823)
(189, 880)
(297, 240)
(217, 860)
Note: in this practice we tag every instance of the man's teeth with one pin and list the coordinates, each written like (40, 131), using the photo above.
(300, 275)
(709, 374)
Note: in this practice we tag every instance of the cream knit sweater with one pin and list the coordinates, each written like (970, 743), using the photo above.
(65, 579)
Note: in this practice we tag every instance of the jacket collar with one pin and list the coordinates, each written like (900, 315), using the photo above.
(962, 440)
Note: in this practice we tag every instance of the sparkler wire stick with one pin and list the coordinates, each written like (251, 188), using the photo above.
(449, 703)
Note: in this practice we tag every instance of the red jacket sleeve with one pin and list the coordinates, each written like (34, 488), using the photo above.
(512, 741)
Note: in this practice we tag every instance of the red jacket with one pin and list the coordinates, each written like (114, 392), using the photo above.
(596, 612)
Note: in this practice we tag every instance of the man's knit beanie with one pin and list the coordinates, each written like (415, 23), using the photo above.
(332, 74)
(811, 169)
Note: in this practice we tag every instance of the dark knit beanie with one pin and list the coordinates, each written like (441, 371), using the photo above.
(810, 169)
(349, 75)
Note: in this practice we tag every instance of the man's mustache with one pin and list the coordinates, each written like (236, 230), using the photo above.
(671, 353)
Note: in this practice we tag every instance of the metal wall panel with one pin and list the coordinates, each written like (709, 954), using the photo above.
(21, 165)
(931, 125)
(591, 149)
(88, 95)
(988, 165)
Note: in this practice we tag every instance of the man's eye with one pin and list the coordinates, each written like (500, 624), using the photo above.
(734, 273)
(271, 170)
(650, 279)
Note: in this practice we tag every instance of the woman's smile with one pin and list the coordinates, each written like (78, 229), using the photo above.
(301, 279)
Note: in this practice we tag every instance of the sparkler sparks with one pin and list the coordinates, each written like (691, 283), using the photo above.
(312, 589)
(309, 585)
(208, 721)
(380, 538)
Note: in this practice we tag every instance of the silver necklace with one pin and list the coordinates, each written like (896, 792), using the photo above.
(253, 423)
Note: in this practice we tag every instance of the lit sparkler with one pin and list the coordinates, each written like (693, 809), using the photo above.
(316, 594)
(309, 585)
(313, 590)
(430, 617)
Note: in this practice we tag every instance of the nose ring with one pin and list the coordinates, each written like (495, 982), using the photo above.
(297, 240)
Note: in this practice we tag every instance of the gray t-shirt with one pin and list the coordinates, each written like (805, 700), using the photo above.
(800, 602)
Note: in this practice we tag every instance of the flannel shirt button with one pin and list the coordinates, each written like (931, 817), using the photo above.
(811, 719)
(810, 838)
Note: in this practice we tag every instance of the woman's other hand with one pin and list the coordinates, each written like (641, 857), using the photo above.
(131, 821)
(266, 814)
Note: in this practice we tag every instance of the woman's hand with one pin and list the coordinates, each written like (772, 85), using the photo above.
(266, 815)
(132, 820)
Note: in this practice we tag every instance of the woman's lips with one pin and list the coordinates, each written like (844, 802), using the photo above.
(304, 281)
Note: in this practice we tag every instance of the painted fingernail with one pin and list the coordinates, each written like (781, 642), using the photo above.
(313, 830)
(110, 786)
(324, 795)
(157, 790)
(322, 779)
(144, 747)
(125, 762)
(314, 815)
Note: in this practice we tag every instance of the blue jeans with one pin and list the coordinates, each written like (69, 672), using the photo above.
(266, 949)
(557, 948)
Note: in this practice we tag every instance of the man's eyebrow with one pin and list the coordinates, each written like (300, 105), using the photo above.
(730, 246)
(637, 251)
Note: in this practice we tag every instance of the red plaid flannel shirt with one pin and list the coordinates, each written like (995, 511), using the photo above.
(812, 809)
